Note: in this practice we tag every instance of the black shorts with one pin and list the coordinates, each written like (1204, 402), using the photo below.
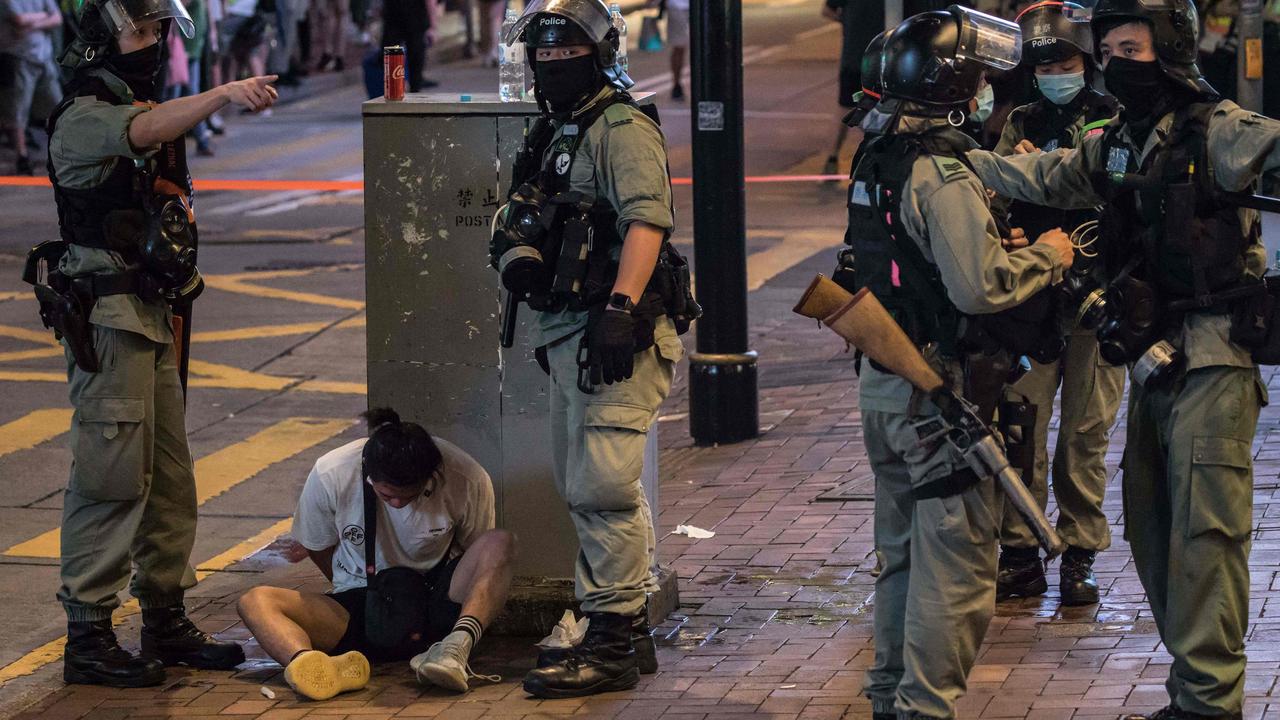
(442, 614)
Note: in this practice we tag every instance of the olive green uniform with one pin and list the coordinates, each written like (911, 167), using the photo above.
(131, 498)
(1091, 392)
(1188, 478)
(598, 439)
(936, 592)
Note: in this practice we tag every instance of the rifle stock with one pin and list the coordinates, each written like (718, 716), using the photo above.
(864, 323)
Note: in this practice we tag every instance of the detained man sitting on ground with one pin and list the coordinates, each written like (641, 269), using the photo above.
(434, 550)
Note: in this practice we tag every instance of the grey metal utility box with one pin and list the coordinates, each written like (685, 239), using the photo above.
(435, 171)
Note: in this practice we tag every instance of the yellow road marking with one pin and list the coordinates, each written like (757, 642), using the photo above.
(254, 332)
(40, 337)
(278, 274)
(31, 376)
(52, 650)
(239, 380)
(17, 355)
(32, 429)
(222, 470)
(243, 288)
(358, 321)
(335, 387)
(7, 296)
(232, 465)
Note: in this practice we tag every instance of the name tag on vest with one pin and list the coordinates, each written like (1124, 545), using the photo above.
(858, 194)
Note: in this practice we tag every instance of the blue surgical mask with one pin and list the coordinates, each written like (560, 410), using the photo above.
(986, 103)
(1061, 89)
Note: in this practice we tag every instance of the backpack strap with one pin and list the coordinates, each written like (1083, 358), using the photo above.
(370, 529)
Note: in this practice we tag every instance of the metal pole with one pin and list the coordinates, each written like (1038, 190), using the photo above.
(723, 402)
(892, 14)
(1249, 56)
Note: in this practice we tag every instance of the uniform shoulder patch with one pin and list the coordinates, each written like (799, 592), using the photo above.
(949, 168)
(619, 114)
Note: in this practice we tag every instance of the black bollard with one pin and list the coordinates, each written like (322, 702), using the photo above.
(723, 400)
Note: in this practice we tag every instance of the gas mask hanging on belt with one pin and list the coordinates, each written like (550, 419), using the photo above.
(168, 250)
(517, 240)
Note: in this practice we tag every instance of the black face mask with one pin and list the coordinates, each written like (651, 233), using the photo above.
(1139, 86)
(140, 70)
(566, 84)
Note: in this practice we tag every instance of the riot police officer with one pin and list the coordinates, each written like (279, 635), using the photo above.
(1177, 244)
(126, 257)
(925, 242)
(1060, 53)
(583, 240)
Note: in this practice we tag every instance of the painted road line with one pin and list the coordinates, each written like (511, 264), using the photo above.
(259, 331)
(33, 428)
(350, 182)
(222, 470)
(42, 337)
(52, 651)
(794, 248)
(7, 296)
(238, 283)
(238, 380)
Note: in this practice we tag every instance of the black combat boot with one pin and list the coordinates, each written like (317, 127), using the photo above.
(1077, 583)
(1021, 573)
(93, 657)
(646, 649)
(1173, 712)
(604, 662)
(169, 636)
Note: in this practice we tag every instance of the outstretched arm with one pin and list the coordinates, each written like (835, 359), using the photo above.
(1056, 179)
(171, 120)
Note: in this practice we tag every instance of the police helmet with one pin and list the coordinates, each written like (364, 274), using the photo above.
(1048, 35)
(559, 23)
(98, 22)
(1175, 30)
(937, 58)
(872, 58)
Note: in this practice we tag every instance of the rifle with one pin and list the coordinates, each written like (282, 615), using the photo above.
(864, 323)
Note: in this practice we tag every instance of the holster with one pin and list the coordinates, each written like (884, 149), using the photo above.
(1255, 322)
(985, 374)
(64, 305)
(672, 284)
(1017, 425)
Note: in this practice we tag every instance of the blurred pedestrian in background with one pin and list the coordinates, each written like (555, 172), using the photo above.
(328, 33)
(30, 84)
(185, 81)
(859, 22)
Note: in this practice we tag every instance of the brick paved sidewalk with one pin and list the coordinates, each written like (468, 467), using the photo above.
(776, 608)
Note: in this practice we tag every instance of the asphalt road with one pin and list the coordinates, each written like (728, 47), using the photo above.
(278, 365)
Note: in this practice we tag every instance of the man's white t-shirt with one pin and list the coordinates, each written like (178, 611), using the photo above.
(419, 535)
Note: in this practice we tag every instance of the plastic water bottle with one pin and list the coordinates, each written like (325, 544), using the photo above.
(511, 63)
(615, 11)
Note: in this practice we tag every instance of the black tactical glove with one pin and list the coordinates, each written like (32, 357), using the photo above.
(611, 348)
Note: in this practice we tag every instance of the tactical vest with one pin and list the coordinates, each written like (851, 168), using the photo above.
(1051, 128)
(597, 269)
(889, 262)
(102, 216)
(1170, 212)
(886, 258)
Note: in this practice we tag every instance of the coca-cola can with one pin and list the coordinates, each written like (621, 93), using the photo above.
(393, 72)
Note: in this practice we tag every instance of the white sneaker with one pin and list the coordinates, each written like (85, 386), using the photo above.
(444, 664)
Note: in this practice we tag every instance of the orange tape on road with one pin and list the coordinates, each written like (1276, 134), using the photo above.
(344, 185)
